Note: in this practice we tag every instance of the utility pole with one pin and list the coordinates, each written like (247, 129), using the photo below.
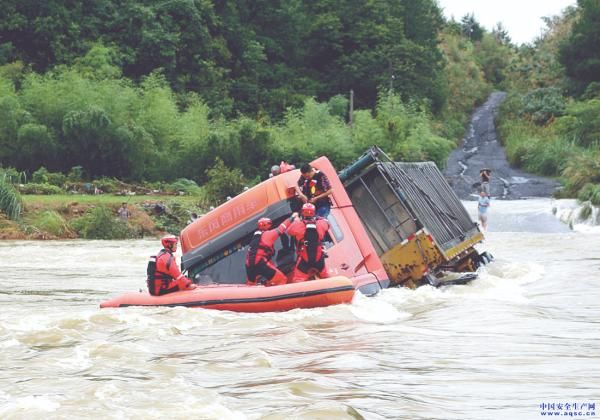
(351, 106)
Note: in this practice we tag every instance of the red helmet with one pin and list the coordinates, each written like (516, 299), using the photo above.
(308, 210)
(169, 241)
(264, 223)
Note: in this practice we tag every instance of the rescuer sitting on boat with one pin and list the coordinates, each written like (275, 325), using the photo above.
(164, 275)
(309, 232)
(314, 188)
(261, 251)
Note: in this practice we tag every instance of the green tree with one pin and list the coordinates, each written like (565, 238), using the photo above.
(465, 82)
(538, 66)
(471, 28)
(500, 34)
(36, 147)
(12, 115)
(494, 58)
(99, 62)
(223, 182)
(366, 46)
(580, 53)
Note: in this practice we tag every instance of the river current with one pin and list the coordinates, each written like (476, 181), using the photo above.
(524, 334)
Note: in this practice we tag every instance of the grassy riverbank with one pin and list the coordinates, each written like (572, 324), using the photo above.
(71, 216)
(563, 145)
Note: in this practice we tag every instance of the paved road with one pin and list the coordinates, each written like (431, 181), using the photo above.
(481, 149)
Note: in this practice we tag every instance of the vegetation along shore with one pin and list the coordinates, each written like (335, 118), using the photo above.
(186, 103)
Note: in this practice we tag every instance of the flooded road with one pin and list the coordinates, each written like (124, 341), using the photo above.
(526, 333)
(481, 148)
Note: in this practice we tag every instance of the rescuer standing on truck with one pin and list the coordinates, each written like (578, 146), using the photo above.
(314, 188)
(163, 274)
(261, 251)
(309, 233)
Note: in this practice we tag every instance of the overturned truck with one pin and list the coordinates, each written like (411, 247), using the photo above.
(391, 224)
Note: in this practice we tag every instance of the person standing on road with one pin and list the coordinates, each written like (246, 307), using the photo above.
(482, 208)
(485, 174)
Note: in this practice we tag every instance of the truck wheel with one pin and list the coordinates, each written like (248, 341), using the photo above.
(486, 258)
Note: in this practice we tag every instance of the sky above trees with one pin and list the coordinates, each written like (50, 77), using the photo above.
(521, 18)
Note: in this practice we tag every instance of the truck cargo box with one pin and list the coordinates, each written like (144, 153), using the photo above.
(413, 217)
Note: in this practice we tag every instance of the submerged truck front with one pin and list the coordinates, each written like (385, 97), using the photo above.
(414, 219)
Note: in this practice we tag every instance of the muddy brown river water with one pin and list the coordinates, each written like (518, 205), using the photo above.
(526, 333)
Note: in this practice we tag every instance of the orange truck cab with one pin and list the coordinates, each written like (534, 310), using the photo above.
(214, 246)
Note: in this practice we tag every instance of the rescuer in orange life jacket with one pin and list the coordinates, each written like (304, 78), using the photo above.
(309, 232)
(261, 251)
(163, 274)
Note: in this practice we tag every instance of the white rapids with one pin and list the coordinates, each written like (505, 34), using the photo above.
(525, 333)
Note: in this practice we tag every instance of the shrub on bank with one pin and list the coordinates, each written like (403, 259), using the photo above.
(585, 212)
(10, 200)
(12, 176)
(549, 156)
(185, 186)
(536, 149)
(41, 189)
(172, 216)
(582, 123)
(541, 105)
(108, 185)
(590, 192)
(583, 168)
(42, 176)
(223, 182)
(101, 223)
(51, 222)
(56, 178)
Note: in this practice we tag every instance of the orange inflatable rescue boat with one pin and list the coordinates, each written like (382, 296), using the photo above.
(242, 298)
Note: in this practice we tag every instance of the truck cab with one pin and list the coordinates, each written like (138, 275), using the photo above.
(215, 245)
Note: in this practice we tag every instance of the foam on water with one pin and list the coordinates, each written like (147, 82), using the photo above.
(520, 216)
(569, 212)
(33, 405)
(501, 281)
(463, 352)
(377, 310)
(518, 180)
